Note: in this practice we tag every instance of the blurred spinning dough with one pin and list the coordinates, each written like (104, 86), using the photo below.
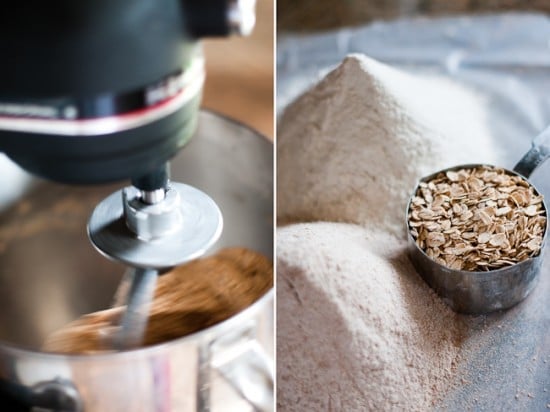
(189, 298)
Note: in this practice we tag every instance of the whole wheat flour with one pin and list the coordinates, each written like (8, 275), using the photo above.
(357, 329)
(352, 148)
(189, 298)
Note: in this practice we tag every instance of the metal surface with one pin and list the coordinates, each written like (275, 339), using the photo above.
(135, 318)
(153, 196)
(50, 275)
(178, 237)
(243, 363)
(58, 395)
(477, 292)
(539, 152)
(155, 216)
(141, 283)
(150, 221)
(176, 376)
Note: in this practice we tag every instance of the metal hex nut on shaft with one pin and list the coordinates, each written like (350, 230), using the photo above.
(131, 233)
(152, 221)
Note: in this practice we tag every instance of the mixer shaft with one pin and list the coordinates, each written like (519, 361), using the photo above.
(151, 226)
(142, 281)
(138, 303)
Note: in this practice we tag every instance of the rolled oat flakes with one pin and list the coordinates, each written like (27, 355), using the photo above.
(477, 219)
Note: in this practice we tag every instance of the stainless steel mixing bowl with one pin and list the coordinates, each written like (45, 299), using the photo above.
(50, 274)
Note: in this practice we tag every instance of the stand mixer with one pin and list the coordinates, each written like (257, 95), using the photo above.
(94, 92)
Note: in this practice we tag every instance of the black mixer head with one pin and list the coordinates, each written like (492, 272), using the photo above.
(100, 90)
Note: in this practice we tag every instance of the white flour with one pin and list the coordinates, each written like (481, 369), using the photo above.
(357, 328)
(352, 148)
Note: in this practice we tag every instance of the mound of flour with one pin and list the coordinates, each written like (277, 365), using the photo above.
(357, 329)
(351, 148)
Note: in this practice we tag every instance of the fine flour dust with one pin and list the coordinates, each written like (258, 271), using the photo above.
(351, 148)
(357, 327)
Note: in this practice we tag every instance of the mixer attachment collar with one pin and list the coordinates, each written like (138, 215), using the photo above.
(179, 228)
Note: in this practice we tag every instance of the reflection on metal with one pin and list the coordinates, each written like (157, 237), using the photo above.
(243, 363)
(182, 227)
(47, 266)
(135, 318)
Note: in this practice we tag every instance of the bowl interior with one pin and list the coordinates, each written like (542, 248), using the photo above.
(49, 272)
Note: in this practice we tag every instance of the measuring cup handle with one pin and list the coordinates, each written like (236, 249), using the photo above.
(539, 152)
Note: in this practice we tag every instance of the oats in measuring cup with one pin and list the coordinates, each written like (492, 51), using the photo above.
(477, 219)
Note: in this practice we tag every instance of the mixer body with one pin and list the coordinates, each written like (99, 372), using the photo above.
(51, 275)
(99, 91)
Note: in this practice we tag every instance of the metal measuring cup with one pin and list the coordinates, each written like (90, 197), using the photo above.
(478, 292)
